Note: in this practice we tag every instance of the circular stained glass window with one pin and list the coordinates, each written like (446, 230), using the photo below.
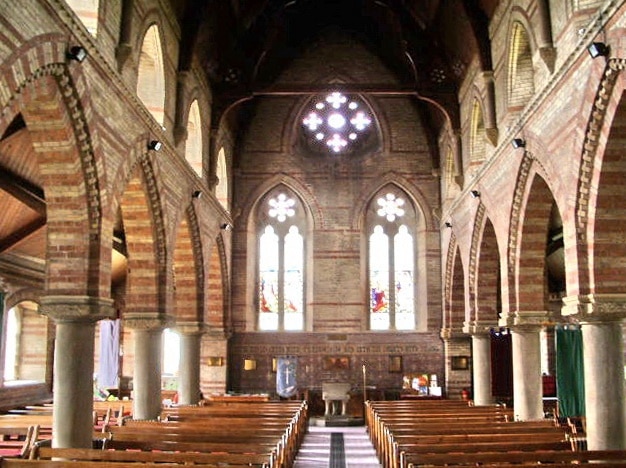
(337, 123)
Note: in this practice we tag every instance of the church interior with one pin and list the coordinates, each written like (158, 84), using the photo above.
(268, 197)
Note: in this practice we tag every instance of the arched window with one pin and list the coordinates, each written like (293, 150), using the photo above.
(193, 145)
(87, 12)
(151, 75)
(221, 191)
(521, 85)
(281, 261)
(391, 261)
(477, 138)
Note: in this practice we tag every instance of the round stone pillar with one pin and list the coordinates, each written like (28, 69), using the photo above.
(72, 412)
(604, 385)
(527, 384)
(147, 373)
(189, 368)
(481, 369)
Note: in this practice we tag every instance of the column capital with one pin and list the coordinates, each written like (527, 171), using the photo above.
(595, 307)
(478, 327)
(527, 319)
(146, 322)
(450, 334)
(190, 328)
(61, 308)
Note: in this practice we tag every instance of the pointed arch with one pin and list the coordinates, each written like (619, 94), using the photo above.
(151, 74)
(193, 144)
(485, 285)
(531, 281)
(188, 274)
(391, 232)
(87, 12)
(477, 137)
(144, 229)
(221, 172)
(217, 318)
(520, 73)
(598, 136)
(59, 95)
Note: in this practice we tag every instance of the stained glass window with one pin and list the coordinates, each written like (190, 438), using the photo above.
(337, 123)
(281, 263)
(391, 263)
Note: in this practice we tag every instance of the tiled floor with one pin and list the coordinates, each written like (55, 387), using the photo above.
(315, 450)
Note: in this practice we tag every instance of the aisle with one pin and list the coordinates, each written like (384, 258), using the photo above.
(351, 448)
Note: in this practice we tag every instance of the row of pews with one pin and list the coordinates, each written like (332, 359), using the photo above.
(411, 434)
(251, 434)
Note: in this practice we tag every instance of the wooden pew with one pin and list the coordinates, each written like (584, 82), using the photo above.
(248, 459)
(25, 463)
(411, 460)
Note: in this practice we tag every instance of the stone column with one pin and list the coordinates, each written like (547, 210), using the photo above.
(147, 373)
(525, 327)
(72, 412)
(481, 368)
(527, 384)
(189, 369)
(601, 317)
(603, 357)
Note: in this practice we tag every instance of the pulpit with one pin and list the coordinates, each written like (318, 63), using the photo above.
(332, 394)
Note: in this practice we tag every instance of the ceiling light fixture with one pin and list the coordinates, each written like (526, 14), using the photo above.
(155, 145)
(77, 53)
(518, 143)
(598, 49)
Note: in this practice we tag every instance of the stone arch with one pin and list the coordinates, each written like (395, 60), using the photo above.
(47, 89)
(531, 282)
(188, 272)
(598, 144)
(144, 228)
(484, 273)
(454, 301)
(218, 310)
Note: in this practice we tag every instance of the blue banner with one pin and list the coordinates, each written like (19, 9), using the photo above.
(286, 376)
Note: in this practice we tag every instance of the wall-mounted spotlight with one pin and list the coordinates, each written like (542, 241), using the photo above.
(196, 194)
(226, 227)
(518, 143)
(475, 194)
(77, 53)
(598, 49)
(155, 145)
(448, 224)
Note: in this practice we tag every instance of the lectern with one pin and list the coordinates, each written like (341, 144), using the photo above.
(334, 392)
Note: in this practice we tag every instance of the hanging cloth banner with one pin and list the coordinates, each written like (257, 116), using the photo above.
(570, 381)
(286, 376)
(109, 353)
